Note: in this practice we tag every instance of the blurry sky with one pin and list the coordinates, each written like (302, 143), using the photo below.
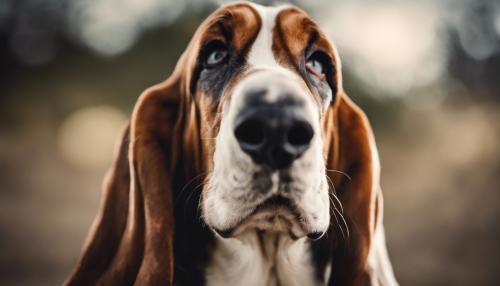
(427, 73)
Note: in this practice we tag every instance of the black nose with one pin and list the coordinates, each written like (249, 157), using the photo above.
(273, 135)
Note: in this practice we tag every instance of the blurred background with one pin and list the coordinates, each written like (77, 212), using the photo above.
(427, 73)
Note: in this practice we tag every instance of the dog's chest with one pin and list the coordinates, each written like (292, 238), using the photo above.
(261, 259)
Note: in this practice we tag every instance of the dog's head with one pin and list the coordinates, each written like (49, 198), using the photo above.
(263, 79)
(256, 110)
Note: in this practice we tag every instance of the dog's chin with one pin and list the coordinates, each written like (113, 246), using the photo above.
(276, 215)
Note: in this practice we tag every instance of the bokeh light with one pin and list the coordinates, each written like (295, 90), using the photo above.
(408, 52)
(86, 138)
(111, 27)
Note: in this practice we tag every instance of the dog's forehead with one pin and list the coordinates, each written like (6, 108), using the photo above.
(270, 24)
(284, 32)
(261, 53)
(262, 38)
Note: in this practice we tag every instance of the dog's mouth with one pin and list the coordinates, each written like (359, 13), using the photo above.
(276, 214)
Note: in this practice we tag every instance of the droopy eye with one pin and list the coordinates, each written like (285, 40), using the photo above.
(216, 53)
(317, 64)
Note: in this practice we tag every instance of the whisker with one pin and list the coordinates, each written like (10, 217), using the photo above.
(199, 206)
(185, 187)
(334, 194)
(334, 209)
(337, 211)
(193, 191)
(340, 172)
(344, 223)
(202, 183)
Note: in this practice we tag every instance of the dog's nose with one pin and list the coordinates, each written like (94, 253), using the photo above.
(273, 134)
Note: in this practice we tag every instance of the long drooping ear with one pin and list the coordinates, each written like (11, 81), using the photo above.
(106, 231)
(131, 240)
(352, 164)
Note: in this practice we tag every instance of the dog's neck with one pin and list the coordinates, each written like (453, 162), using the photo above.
(261, 258)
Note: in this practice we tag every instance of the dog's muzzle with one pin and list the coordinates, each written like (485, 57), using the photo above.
(268, 166)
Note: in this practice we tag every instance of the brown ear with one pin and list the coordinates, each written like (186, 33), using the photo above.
(109, 224)
(131, 240)
(352, 166)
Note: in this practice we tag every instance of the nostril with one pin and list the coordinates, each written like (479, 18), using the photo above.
(300, 134)
(250, 132)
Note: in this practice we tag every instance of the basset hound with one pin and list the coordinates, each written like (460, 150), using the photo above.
(249, 165)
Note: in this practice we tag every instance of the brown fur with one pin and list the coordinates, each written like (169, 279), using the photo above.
(349, 152)
(291, 34)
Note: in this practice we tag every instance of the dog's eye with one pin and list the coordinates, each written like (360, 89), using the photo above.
(216, 53)
(216, 57)
(317, 64)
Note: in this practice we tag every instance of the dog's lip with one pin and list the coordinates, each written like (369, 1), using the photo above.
(225, 233)
(273, 202)
(276, 200)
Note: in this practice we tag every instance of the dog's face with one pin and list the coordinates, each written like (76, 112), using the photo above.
(262, 80)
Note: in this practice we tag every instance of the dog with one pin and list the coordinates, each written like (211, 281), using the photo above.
(249, 165)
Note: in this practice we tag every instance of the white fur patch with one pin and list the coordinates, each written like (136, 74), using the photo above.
(274, 260)
(261, 54)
